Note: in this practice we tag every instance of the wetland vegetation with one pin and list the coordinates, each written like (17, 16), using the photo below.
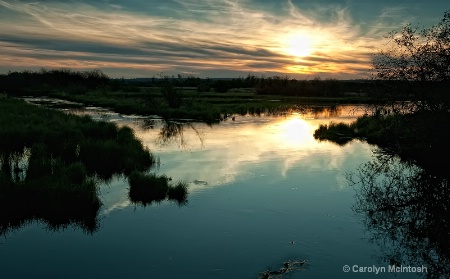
(184, 97)
(51, 163)
(146, 189)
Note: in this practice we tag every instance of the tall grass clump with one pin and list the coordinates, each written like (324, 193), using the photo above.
(178, 193)
(339, 133)
(146, 189)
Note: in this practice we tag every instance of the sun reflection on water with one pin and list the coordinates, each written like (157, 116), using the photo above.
(295, 132)
(248, 148)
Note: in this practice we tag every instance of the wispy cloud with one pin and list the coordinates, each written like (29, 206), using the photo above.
(148, 37)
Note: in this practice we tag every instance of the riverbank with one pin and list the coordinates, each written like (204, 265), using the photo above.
(420, 137)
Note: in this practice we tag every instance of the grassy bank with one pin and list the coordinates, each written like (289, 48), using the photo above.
(420, 137)
(51, 162)
(102, 147)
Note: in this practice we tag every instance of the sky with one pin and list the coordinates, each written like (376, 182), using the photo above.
(205, 38)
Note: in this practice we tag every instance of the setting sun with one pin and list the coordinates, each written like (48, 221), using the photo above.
(299, 45)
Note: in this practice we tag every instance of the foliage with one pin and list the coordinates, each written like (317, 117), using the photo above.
(186, 97)
(102, 147)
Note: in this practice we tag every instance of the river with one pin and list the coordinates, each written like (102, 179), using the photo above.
(263, 195)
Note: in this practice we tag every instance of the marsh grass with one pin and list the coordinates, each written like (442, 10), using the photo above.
(102, 147)
(178, 193)
(184, 97)
(146, 189)
(65, 157)
(65, 197)
(174, 102)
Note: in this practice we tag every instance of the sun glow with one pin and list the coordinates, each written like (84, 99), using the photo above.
(299, 45)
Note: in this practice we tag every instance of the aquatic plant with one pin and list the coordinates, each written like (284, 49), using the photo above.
(146, 189)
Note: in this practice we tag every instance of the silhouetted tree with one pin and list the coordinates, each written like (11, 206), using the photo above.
(415, 66)
(171, 92)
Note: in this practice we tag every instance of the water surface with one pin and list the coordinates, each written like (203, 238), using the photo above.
(262, 191)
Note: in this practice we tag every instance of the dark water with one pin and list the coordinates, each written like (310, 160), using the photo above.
(262, 191)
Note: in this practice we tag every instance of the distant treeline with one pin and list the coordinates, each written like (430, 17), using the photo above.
(44, 81)
(276, 85)
(78, 82)
(220, 85)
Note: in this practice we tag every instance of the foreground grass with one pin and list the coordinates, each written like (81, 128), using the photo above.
(102, 147)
